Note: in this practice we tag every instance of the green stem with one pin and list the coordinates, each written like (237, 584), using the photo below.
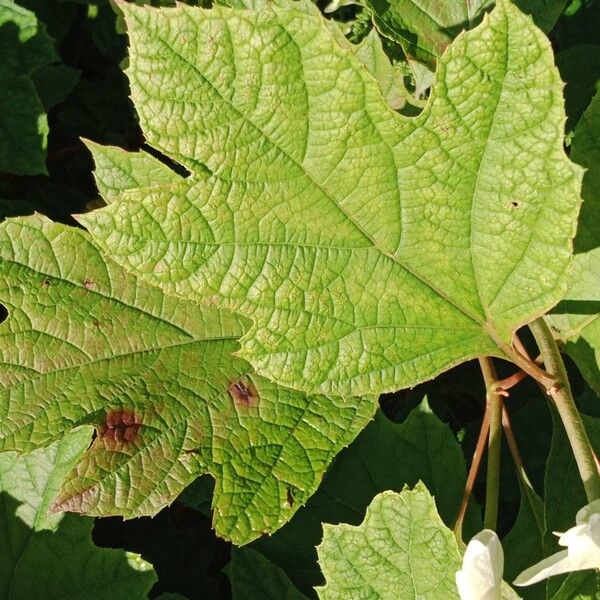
(494, 401)
(565, 405)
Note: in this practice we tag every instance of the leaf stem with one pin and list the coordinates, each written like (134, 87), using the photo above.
(526, 364)
(563, 399)
(494, 401)
(473, 470)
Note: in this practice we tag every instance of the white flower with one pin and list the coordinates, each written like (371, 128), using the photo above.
(481, 575)
(335, 4)
(583, 549)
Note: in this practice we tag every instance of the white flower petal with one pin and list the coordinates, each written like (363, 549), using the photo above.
(553, 565)
(483, 563)
(582, 552)
(583, 515)
(333, 6)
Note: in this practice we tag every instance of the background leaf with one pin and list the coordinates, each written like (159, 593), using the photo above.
(425, 29)
(575, 320)
(51, 557)
(253, 576)
(389, 78)
(25, 47)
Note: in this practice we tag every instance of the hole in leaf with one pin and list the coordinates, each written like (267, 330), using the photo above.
(3, 313)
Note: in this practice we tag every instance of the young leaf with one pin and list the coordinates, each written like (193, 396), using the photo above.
(401, 550)
(575, 321)
(371, 251)
(86, 343)
(50, 557)
(254, 576)
(25, 47)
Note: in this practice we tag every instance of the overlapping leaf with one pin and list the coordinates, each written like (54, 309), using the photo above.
(371, 251)
(389, 77)
(52, 557)
(576, 320)
(254, 576)
(401, 550)
(86, 343)
(424, 29)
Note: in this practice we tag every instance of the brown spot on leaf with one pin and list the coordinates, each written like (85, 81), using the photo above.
(45, 283)
(88, 285)
(120, 427)
(243, 393)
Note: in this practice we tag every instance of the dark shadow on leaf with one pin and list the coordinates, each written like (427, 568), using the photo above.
(176, 167)
(98, 107)
(577, 307)
(585, 358)
(22, 146)
(52, 565)
(182, 547)
(3, 313)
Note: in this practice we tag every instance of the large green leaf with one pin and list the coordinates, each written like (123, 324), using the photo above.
(52, 557)
(86, 343)
(371, 251)
(25, 47)
(401, 550)
(575, 321)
